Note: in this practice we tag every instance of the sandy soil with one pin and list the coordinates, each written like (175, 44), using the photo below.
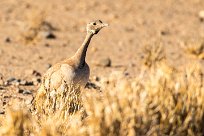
(26, 51)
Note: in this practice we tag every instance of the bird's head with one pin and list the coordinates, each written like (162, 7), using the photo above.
(95, 26)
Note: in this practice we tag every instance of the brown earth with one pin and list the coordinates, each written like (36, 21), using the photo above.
(26, 51)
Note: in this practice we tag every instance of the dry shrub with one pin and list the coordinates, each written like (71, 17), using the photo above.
(17, 123)
(166, 102)
(64, 102)
(194, 48)
(153, 54)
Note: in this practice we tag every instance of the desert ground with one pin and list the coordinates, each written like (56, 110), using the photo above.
(35, 34)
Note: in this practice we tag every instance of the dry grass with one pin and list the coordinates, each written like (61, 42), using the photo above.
(160, 101)
(194, 48)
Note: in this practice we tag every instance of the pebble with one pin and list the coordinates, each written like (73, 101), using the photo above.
(48, 65)
(47, 45)
(105, 62)
(96, 78)
(201, 15)
(22, 82)
(7, 40)
(4, 103)
(32, 72)
(36, 81)
(49, 35)
(27, 92)
(2, 112)
(24, 91)
(28, 83)
(11, 79)
(20, 90)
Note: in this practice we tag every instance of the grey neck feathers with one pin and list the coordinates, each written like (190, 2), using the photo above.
(80, 55)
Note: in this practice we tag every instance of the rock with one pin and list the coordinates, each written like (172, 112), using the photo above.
(49, 35)
(36, 73)
(48, 65)
(11, 79)
(201, 15)
(47, 45)
(2, 112)
(164, 32)
(96, 78)
(24, 91)
(105, 62)
(32, 72)
(22, 82)
(4, 102)
(28, 83)
(20, 90)
(36, 81)
(7, 40)
(27, 92)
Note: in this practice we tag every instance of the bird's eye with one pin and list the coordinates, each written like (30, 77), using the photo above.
(94, 23)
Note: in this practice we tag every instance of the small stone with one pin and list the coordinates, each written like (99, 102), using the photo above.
(201, 15)
(4, 103)
(2, 112)
(27, 92)
(48, 66)
(5, 96)
(23, 82)
(96, 78)
(164, 32)
(28, 83)
(32, 72)
(20, 90)
(49, 35)
(36, 81)
(16, 83)
(105, 62)
(36, 73)
(11, 79)
(47, 45)
(8, 40)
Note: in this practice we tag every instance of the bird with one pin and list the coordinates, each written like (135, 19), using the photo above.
(73, 70)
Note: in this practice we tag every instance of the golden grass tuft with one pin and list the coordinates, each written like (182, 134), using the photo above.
(153, 54)
(194, 48)
(64, 103)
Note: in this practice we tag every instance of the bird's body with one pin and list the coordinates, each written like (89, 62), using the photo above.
(65, 72)
(73, 71)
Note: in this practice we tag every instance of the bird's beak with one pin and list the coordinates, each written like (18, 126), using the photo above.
(105, 25)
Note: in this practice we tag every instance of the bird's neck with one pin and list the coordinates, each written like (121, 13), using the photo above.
(80, 55)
